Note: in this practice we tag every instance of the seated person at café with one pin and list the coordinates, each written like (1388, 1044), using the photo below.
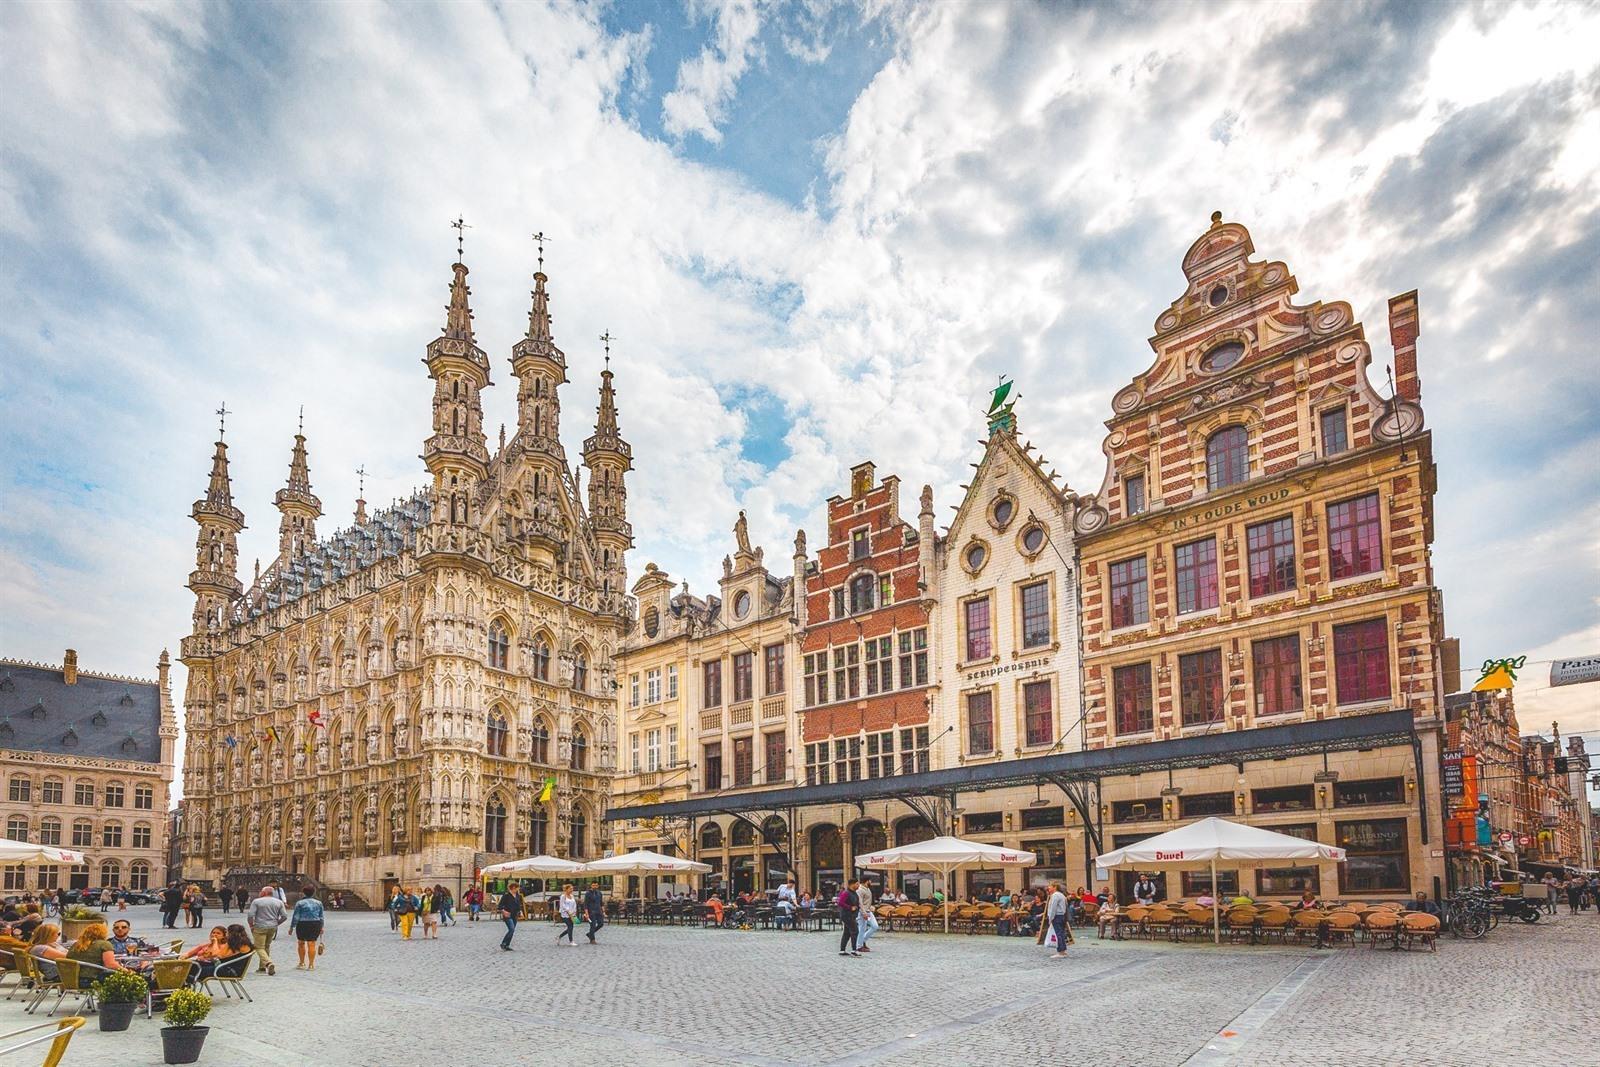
(714, 902)
(46, 947)
(1243, 900)
(11, 913)
(123, 941)
(1307, 901)
(10, 941)
(31, 918)
(225, 944)
(1423, 904)
(94, 947)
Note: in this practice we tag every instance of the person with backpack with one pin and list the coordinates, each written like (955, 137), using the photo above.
(849, 904)
(405, 910)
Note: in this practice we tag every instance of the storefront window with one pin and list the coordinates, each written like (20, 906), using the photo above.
(1202, 804)
(1198, 883)
(1290, 881)
(1136, 810)
(1377, 856)
(1368, 791)
(1283, 798)
(1050, 863)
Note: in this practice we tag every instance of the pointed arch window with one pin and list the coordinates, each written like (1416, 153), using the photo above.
(539, 833)
(580, 835)
(494, 827)
(1227, 457)
(580, 671)
(580, 750)
(498, 734)
(499, 646)
(541, 741)
(541, 660)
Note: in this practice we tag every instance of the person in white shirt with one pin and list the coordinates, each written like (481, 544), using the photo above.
(568, 910)
(1055, 913)
(866, 922)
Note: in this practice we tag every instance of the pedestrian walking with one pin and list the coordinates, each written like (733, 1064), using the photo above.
(306, 924)
(265, 914)
(241, 897)
(405, 907)
(428, 908)
(594, 909)
(447, 905)
(866, 921)
(567, 908)
(226, 895)
(1575, 889)
(171, 904)
(510, 911)
(1055, 912)
(848, 903)
(474, 899)
(197, 905)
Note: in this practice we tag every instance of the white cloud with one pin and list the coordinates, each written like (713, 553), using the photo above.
(699, 103)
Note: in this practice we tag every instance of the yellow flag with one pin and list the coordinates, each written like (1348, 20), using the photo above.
(549, 789)
(1495, 676)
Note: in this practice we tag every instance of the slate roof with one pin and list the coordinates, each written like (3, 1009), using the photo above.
(112, 718)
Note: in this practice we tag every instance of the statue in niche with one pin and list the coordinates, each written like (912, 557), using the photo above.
(344, 825)
(277, 765)
(299, 761)
(346, 750)
(300, 691)
(275, 840)
(741, 534)
(320, 812)
(369, 822)
(402, 733)
(374, 662)
(324, 675)
(372, 745)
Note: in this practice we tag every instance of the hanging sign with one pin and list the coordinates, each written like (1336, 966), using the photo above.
(1574, 671)
(1453, 783)
(1499, 674)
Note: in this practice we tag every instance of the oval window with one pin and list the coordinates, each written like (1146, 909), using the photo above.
(1004, 508)
(1218, 295)
(1223, 356)
(1033, 539)
(976, 554)
(741, 605)
(652, 622)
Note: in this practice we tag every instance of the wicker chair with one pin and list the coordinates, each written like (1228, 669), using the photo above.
(1159, 920)
(1343, 926)
(1307, 924)
(1382, 926)
(1239, 922)
(984, 917)
(1134, 919)
(1420, 926)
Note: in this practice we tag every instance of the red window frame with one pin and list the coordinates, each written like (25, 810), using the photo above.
(1131, 695)
(743, 676)
(1194, 572)
(1361, 661)
(1038, 713)
(1270, 549)
(1355, 537)
(980, 723)
(979, 629)
(1227, 457)
(1200, 687)
(1129, 600)
(1276, 664)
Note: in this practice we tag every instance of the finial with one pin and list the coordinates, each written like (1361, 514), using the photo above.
(502, 437)
(361, 480)
(461, 226)
(222, 420)
(301, 429)
(1216, 218)
(606, 339)
(539, 239)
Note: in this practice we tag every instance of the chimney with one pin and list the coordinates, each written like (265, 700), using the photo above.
(69, 667)
(1404, 327)
(1450, 663)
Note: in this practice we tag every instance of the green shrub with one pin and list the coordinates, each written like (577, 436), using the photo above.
(83, 913)
(121, 987)
(186, 1007)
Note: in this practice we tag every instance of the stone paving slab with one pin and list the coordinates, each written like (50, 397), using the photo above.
(650, 996)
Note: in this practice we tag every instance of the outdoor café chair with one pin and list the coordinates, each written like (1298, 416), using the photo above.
(75, 978)
(1159, 920)
(170, 976)
(1307, 924)
(886, 914)
(39, 982)
(1342, 926)
(175, 946)
(10, 969)
(1274, 922)
(60, 1036)
(1420, 926)
(229, 976)
(986, 916)
(1200, 920)
(1135, 917)
(1239, 922)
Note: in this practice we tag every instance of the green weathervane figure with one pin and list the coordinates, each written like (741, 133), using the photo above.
(1000, 416)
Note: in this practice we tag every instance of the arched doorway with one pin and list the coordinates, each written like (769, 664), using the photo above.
(827, 860)
(868, 836)
(908, 831)
(775, 858)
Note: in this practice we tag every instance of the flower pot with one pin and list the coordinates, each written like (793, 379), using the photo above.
(117, 1014)
(72, 929)
(182, 1044)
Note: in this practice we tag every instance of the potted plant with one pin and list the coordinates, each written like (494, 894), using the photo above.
(77, 918)
(119, 994)
(183, 1035)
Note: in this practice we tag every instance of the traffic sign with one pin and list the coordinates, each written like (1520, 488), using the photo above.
(1524, 840)
(1506, 837)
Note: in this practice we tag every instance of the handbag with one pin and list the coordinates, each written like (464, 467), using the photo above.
(322, 946)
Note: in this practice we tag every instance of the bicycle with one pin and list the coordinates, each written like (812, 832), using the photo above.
(1468, 916)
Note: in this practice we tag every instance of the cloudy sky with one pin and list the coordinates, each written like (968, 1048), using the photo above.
(818, 232)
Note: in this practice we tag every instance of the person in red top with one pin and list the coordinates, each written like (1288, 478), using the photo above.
(714, 902)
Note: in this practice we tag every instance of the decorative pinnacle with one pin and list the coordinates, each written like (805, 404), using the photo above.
(301, 430)
(361, 480)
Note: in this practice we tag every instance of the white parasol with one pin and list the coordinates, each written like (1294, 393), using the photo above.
(945, 854)
(28, 852)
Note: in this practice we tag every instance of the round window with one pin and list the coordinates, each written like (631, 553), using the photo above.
(1217, 296)
(741, 605)
(1222, 357)
(1004, 508)
(652, 622)
(1033, 539)
(976, 554)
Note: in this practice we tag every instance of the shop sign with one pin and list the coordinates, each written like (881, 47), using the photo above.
(1235, 507)
(1038, 663)
(1454, 786)
(1573, 671)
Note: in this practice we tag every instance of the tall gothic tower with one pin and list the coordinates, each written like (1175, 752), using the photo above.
(298, 506)
(609, 458)
(541, 369)
(456, 454)
(214, 579)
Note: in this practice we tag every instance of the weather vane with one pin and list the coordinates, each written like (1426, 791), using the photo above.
(606, 339)
(539, 239)
(361, 480)
(461, 226)
(302, 428)
(222, 420)
(1000, 415)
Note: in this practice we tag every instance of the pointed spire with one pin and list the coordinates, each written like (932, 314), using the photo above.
(219, 492)
(539, 314)
(299, 469)
(458, 315)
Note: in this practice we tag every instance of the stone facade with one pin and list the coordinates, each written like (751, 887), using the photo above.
(88, 762)
(1258, 553)
(388, 703)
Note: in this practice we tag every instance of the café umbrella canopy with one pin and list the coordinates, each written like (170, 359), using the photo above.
(1203, 843)
(945, 854)
(29, 852)
(531, 867)
(642, 862)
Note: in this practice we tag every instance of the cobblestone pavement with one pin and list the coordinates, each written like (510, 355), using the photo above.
(651, 996)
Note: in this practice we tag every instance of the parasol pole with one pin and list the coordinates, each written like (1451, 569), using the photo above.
(947, 898)
(1216, 917)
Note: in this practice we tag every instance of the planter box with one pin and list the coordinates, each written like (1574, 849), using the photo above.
(71, 929)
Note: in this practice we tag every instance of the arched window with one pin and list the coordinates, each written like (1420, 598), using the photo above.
(498, 734)
(580, 835)
(862, 587)
(50, 831)
(711, 836)
(139, 875)
(580, 750)
(111, 874)
(17, 828)
(741, 834)
(541, 660)
(1227, 457)
(541, 741)
(144, 797)
(539, 833)
(494, 827)
(499, 647)
(580, 671)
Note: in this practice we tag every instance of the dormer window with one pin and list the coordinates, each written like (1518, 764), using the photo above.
(741, 604)
(127, 700)
(37, 711)
(1133, 495)
(1227, 457)
(860, 545)
(129, 745)
(69, 739)
(99, 718)
(1004, 510)
(1222, 357)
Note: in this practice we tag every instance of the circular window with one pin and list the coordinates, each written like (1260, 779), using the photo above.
(1222, 357)
(975, 556)
(741, 605)
(1217, 296)
(1003, 510)
(652, 622)
(1033, 540)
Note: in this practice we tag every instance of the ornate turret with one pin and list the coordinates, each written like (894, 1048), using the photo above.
(299, 506)
(457, 454)
(216, 555)
(541, 369)
(609, 458)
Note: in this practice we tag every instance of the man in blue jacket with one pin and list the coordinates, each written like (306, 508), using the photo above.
(594, 909)
(510, 912)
